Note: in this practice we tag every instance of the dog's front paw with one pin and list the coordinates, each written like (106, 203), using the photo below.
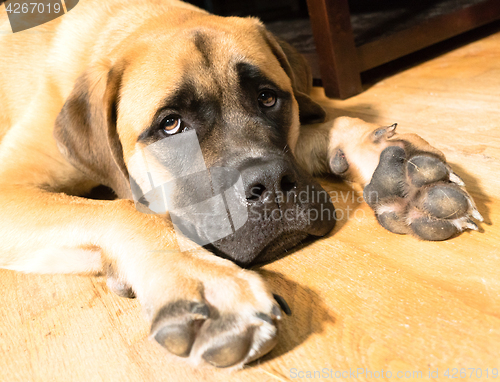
(233, 321)
(417, 192)
(407, 182)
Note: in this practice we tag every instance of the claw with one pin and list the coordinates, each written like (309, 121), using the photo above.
(120, 288)
(456, 179)
(476, 215)
(283, 304)
(265, 318)
(473, 210)
(384, 132)
(276, 312)
(471, 225)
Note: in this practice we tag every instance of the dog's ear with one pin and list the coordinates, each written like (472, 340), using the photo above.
(297, 68)
(85, 128)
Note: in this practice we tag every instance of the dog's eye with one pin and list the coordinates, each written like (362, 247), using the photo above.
(171, 124)
(267, 98)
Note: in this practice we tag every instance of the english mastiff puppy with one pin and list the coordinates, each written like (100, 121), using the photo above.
(85, 95)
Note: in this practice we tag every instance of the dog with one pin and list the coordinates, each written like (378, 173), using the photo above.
(85, 96)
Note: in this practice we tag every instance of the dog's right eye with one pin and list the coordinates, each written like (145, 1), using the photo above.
(171, 124)
(267, 98)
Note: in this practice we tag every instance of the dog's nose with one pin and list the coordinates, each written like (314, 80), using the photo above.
(263, 180)
(285, 205)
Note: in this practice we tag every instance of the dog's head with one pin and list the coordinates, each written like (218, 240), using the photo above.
(240, 93)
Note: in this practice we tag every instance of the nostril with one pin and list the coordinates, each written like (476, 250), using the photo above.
(287, 183)
(256, 192)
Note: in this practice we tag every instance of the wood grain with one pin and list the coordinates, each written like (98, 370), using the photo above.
(427, 33)
(362, 298)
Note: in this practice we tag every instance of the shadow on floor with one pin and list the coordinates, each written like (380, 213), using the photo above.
(309, 314)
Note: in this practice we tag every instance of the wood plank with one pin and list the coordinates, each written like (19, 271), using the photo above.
(427, 33)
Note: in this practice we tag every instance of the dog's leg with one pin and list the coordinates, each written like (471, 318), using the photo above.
(406, 181)
(200, 306)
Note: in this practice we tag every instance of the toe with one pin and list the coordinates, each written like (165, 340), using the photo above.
(389, 177)
(391, 215)
(177, 324)
(234, 340)
(393, 222)
(425, 169)
(177, 339)
(446, 202)
(228, 352)
(433, 229)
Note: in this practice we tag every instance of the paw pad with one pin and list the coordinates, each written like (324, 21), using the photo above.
(192, 329)
(419, 195)
(176, 325)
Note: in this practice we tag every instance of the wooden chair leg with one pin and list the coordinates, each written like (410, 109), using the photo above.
(337, 54)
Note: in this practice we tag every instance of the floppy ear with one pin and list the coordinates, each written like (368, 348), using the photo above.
(297, 68)
(85, 129)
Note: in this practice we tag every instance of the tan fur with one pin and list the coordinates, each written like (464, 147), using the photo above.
(44, 229)
(355, 137)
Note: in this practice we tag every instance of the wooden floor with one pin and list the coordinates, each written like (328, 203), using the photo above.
(363, 300)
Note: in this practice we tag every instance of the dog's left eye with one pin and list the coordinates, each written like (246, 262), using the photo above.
(171, 124)
(267, 98)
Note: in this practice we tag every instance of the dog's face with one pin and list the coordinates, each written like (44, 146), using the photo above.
(229, 82)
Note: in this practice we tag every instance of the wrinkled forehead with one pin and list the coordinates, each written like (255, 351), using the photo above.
(192, 66)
